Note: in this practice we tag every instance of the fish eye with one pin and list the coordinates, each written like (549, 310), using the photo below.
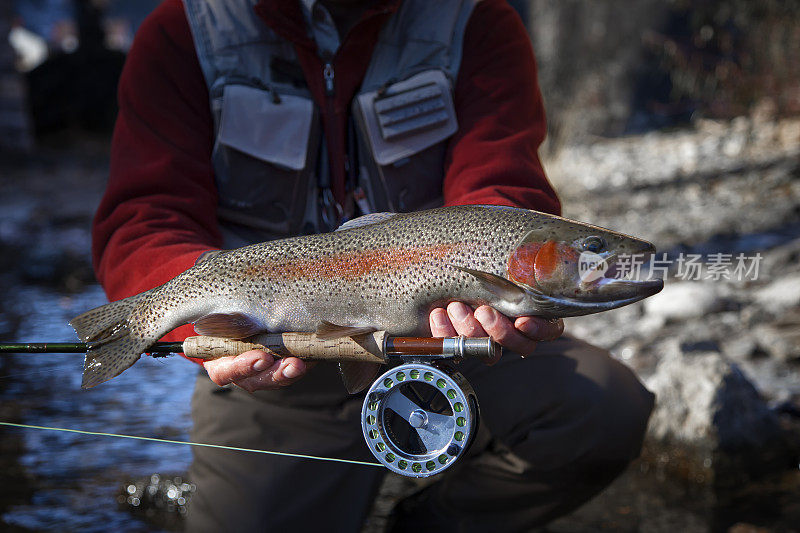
(593, 244)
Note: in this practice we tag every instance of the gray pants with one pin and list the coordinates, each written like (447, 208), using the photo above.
(557, 427)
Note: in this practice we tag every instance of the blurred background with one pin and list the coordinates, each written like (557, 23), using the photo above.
(673, 120)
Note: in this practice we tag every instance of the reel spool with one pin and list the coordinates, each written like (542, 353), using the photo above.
(418, 419)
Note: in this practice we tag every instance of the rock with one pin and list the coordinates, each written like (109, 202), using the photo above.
(753, 315)
(782, 293)
(704, 345)
(684, 300)
(649, 325)
(739, 348)
(710, 415)
(781, 339)
(782, 258)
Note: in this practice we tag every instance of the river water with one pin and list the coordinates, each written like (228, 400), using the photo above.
(78, 477)
(51, 480)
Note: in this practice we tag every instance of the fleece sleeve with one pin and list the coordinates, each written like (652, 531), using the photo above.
(158, 213)
(493, 158)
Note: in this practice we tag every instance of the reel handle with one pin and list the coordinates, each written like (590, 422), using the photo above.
(365, 348)
(457, 348)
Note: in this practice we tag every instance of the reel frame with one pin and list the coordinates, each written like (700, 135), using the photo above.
(439, 438)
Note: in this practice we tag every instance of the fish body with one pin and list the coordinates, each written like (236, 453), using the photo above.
(379, 272)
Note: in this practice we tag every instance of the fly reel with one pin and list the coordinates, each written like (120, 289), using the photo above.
(419, 419)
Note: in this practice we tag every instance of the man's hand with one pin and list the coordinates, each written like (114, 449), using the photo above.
(520, 335)
(256, 370)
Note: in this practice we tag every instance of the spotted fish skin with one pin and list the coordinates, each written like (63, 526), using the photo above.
(386, 275)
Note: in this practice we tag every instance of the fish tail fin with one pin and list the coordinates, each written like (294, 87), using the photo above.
(112, 347)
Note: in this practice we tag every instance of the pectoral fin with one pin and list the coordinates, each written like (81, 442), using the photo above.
(328, 331)
(228, 325)
(500, 287)
(358, 376)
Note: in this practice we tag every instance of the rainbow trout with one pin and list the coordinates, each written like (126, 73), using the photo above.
(378, 272)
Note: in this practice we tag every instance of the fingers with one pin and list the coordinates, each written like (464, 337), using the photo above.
(281, 373)
(440, 324)
(256, 370)
(521, 335)
(502, 330)
(464, 321)
(540, 329)
(230, 369)
(458, 319)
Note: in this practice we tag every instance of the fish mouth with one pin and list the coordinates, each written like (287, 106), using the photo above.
(629, 290)
(611, 287)
(625, 292)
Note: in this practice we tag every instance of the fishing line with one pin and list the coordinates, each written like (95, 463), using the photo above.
(205, 445)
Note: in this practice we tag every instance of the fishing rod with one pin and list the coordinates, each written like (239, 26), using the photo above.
(418, 418)
(376, 347)
(161, 349)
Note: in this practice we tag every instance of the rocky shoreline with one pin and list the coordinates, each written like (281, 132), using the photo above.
(722, 355)
(723, 188)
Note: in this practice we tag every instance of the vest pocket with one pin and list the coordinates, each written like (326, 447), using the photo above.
(405, 125)
(261, 157)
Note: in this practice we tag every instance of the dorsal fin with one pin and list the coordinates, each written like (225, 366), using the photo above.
(228, 325)
(365, 220)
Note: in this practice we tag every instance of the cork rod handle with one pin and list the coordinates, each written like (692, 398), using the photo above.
(366, 348)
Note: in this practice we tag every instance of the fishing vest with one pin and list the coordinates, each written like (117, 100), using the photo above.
(269, 155)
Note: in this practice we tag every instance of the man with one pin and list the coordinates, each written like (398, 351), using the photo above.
(240, 124)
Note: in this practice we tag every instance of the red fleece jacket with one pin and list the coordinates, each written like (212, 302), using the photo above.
(158, 212)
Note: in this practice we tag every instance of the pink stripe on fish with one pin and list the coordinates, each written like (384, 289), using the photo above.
(349, 265)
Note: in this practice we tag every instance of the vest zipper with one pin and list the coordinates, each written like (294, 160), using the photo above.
(328, 74)
(331, 210)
